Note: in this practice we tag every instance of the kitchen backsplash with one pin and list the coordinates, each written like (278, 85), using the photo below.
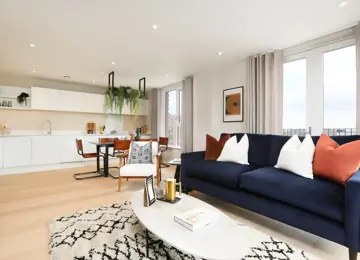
(35, 121)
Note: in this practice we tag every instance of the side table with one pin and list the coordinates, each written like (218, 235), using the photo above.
(177, 175)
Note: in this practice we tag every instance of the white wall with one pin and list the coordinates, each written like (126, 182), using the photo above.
(208, 101)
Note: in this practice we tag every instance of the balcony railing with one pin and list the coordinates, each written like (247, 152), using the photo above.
(328, 131)
(293, 131)
(340, 131)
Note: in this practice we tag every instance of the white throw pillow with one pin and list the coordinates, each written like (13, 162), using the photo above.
(297, 157)
(234, 151)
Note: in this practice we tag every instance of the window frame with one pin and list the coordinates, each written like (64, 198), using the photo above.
(315, 86)
(178, 88)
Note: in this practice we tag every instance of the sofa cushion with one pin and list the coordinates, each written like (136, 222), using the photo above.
(335, 162)
(276, 144)
(214, 147)
(222, 173)
(318, 195)
(259, 148)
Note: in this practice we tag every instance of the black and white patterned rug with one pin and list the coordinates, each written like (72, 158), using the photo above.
(114, 232)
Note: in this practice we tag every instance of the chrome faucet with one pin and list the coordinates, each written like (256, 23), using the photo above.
(49, 132)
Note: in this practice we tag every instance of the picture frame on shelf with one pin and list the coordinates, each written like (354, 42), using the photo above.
(233, 105)
(149, 191)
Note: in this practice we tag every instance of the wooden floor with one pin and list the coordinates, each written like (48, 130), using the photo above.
(29, 202)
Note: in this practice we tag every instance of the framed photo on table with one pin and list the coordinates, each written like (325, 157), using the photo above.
(233, 105)
(149, 191)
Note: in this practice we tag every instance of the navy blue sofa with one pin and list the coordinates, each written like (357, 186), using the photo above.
(318, 206)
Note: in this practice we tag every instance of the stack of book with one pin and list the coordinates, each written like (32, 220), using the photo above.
(196, 218)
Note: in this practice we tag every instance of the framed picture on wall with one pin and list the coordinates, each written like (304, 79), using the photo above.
(233, 105)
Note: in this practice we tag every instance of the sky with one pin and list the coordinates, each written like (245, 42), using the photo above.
(339, 90)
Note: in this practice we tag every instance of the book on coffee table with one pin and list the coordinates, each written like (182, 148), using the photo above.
(196, 218)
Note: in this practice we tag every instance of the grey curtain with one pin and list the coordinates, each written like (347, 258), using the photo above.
(153, 112)
(357, 39)
(187, 115)
(264, 93)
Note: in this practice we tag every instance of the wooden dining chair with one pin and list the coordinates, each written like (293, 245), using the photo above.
(93, 174)
(114, 152)
(121, 150)
(163, 146)
(105, 140)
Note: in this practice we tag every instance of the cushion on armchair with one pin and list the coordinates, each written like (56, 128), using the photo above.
(134, 170)
(142, 152)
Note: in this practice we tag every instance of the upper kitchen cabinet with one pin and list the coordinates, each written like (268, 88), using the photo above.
(72, 101)
(45, 99)
(142, 111)
(144, 108)
(94, 103)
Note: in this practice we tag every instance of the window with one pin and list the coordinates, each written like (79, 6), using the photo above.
(294, 95)
(340, 91)
(319, 92)
(173, 99)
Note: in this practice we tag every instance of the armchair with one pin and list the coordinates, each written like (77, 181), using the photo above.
(140, 171)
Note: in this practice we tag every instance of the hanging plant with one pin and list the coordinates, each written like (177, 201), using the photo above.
(109, 100)
(134, 100)
(116, 97)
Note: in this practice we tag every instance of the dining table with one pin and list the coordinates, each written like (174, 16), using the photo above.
(106, 145)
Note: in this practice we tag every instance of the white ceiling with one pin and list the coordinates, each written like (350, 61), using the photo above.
(81, 38)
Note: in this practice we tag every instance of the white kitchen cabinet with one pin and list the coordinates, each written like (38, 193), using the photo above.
(68, 151)
(45, 150)
(144, 107)
(93, 103)
(142, 111)
(1, 154)
(16, 151)
(46, 99)
(71, 101)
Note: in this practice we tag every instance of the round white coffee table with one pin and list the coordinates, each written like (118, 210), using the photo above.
(222, 239)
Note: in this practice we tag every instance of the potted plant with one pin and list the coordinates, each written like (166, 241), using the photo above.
(22, 98)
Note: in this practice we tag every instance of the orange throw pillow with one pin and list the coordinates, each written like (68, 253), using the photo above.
(214, 147)
(334, 162)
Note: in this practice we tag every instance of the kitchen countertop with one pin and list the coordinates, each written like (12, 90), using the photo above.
(19, 134)
(63, 133)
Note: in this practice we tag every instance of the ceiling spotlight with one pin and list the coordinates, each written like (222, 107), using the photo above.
(343, 4)
(166, 75)
(93, 80)
(155, 26)
(33, 71)
(219, 53)
(113, 63)
(32, 45)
